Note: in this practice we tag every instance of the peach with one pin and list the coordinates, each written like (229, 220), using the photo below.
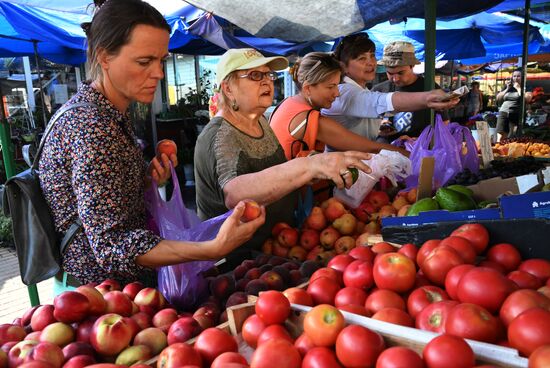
(150, 297)
(152, 337)
(316, 219)
(96, 299)
(47, 352)
(166, 146)
(164, 318)
(132, 289)
(252, 211)
(71, 306)
(58, 333)
(118, 302)
(42, 317)
(110, 334)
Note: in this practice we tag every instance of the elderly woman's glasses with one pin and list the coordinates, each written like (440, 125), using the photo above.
(257, 76)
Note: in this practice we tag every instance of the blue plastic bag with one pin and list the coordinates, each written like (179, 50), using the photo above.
(183, 285)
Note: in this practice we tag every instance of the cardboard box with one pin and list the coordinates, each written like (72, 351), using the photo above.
(491, 189)
(528, 205)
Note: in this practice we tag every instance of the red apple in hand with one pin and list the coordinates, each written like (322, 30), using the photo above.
(110, 334)
(71, 306)
(252, 211)
(166, 146)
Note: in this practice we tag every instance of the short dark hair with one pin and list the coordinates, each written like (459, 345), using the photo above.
(113, 23)
(351, 46)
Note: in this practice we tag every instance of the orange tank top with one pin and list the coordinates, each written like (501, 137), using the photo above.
(280, 123)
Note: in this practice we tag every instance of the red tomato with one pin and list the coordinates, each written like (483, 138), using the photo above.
(529, 330)
(298, 296)
(331, 273)
(463, 247)
(453, 278)
(252, 328)
(524, 280)
(471, 321)
(410, 250)
(425, 249)
(274, 332)
(495, 266)
(439, 262)
(303, 343)
(477, 234)
(350, 295)
(323, 290)
(434, 316)
(229, 357)
(340, 262)
(420, 280)
(399, 356)
(382, 298)
(362, 253)
(485, 287)
(506, 255)
(359, 274)
(276, 353)
(423, 296)
(320, 357)
(395, 316)
(520, 301)
(179, 354)
(272, 307)
(540, 358)
(212, 342)
(356, 309)
(394, 271)
(448, 351)
(322, 324)
(357, 346)
(537, 267)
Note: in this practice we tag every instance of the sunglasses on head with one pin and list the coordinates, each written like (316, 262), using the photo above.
(257, 76)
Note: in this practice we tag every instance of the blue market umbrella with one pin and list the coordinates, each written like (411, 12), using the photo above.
(324, 20)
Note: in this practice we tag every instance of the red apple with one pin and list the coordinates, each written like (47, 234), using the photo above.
(70, 306)
(97, 302)
(167, 147)
(150, 297)
(42, 317)
(58, 333)
(252, 211)
(26, 318)
(183, 329)
(288, 237)
(84, 329)
(164, 318)
(9, 332)
(46, 352)
(110, 334)
(77, 348)
(152, 337)
(309, 238)
(132, 289)
(79, 361)
(118, 303)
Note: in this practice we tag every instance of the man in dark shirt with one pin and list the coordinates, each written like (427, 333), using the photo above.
(399, 60)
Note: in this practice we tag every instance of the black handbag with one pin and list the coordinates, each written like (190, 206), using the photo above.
(39, 247)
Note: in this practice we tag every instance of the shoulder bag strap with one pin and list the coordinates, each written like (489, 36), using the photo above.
(77, 225)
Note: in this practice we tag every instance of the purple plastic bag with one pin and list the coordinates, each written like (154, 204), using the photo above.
(445, 151)
(468, 156)
(183, 284)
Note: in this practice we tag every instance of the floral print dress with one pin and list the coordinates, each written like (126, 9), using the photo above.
(93, 168)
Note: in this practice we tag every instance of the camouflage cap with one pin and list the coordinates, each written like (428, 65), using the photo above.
(398, 53)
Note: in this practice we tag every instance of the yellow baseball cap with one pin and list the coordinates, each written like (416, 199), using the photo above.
(242, 59)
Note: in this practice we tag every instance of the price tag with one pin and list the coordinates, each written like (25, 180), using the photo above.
(425, 178)
(484, 138)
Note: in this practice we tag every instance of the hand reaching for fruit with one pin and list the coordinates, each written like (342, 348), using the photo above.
(159, 167)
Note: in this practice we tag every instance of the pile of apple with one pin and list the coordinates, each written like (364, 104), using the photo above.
(457, 285)
(99, 324)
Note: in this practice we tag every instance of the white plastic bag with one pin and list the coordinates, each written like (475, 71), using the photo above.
(390, 164)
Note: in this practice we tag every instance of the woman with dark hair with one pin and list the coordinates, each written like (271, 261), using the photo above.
(510, 97)
(356, 104)
(92, 169)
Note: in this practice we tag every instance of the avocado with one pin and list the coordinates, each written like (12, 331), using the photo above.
(453, 200)
(425, 204)
(461, 189)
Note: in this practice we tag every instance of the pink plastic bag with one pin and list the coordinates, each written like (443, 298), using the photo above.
(183, 285)
(445, 151)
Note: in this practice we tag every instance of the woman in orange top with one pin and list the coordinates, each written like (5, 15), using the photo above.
(297, 122)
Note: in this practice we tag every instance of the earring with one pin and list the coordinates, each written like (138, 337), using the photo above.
(234, 105)
(309, 100)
